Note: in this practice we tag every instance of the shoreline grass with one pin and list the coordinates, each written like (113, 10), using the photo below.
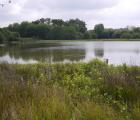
(73, 91)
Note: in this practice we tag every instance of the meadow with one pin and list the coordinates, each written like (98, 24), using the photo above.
(72, 91)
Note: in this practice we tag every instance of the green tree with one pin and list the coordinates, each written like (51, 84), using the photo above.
(79, 25)
(23, 29)
(56, 33)
(2, 38)
(92, 34)
(99, 30)
(58, 22)
(107, 33)
(69, 33)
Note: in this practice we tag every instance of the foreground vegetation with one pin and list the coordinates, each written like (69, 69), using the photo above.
(76, 91)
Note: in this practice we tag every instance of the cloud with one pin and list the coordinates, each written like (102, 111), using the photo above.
(70, 4)
(112, 13)
(81, 4)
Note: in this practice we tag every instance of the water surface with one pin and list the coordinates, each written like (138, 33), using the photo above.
(62, 51)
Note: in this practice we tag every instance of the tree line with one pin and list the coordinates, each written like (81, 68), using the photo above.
(48, 29)
(58, 29)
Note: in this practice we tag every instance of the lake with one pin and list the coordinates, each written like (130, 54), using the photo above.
(62, 51)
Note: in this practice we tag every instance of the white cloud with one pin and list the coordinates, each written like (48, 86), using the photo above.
(81, 4)
(112, 13)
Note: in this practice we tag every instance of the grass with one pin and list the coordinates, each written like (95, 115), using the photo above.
(76, 91)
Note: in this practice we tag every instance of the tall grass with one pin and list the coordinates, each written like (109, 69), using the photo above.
(79, 91)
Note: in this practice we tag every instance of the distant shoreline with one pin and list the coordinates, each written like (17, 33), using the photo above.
(36, 40)
(32, 40)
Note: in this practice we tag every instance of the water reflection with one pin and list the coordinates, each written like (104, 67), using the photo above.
(94, 50)
(116, 52)
(99, 53)
(14, 54)
(99, 49)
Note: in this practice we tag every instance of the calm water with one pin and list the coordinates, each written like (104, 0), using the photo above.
(59, 51)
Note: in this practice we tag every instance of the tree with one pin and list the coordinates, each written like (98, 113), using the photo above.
(99, 29)
(23, 29)
(7, 36)
(107, 33)
(57, 22)
(87, 35)
(42, 21)
(92, 34)
(126, 35)
(79, 25)
(2, 38)
(56, 33)
(14, 27)
(69, 33)
(117, 33)
(46, 28)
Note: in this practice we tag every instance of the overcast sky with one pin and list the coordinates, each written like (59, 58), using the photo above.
(112, 13)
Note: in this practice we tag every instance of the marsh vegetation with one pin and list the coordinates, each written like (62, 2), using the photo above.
(72, 91)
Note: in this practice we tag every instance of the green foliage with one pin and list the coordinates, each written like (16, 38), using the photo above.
(6, 36)
(58, 29)
(52, 29)
(2, 38)
(99, 29)
(79, 25)
(81, 91)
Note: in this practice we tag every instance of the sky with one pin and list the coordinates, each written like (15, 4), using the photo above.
(112, 13)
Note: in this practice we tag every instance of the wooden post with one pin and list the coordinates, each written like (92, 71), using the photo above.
(107, 61)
